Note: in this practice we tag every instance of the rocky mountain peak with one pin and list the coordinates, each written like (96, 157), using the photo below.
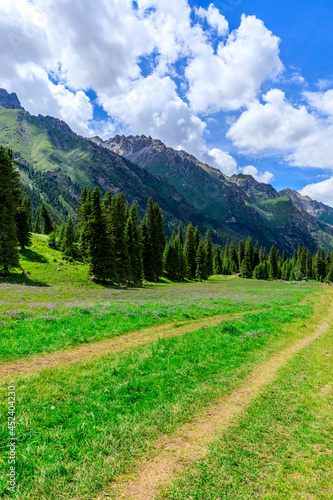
(254, 188)
(9, 101)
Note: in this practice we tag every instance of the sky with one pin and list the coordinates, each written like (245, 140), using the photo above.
(244, 85)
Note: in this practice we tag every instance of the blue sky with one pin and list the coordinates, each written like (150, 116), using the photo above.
(244, 85)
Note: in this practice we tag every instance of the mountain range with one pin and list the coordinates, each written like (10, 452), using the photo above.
(55, 164)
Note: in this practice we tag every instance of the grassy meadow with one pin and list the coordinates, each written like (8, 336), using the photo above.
(82, 426)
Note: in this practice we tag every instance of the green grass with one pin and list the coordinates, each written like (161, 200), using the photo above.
(51, 310)
(282, 447)
(80, 426)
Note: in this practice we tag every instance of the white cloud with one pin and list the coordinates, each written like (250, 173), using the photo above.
(273, 125)
(232, 77)
(278, 126)
(151, 106)
(58, 50)
(214, 19)
(321, 101)
(221, 160)
(264, 177)
(39, 95)
(320, 191)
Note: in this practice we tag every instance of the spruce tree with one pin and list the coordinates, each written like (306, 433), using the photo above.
(27, 205)
(100, 257)
(48, 224)
(23, 226)
(36, 227)
(319, 266)
(190, 252)
(196, 237)
(209, 253)
(256, 255)
(118, 237)
(233, 256)
(68, 244)
(147, 252)
(217, 261)
(171, 259)
(180, 234)
(247, 262)
(241, 252)
(133, 242)
(85, 214)
(9, 201)
(153, 241)
(273, 271)
(201, 261)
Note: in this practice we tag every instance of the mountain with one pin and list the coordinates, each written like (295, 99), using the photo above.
(9, 101)
(244, 205)
(55, 164)
(315, 208)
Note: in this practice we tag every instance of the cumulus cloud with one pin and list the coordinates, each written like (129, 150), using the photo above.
(232, 77)
(321, 101)
(151, 106)
(220, 159)
(278, 126)
(264, 177)
(320, 191)
(275, 124)
(214, 19)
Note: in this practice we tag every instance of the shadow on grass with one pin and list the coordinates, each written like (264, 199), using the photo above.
(22, 279)
(33, 256)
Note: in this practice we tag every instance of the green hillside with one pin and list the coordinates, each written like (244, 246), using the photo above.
(55, 164)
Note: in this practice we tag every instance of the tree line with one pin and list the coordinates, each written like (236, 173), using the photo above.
(118, 247)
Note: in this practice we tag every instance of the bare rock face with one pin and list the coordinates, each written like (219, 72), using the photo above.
(9, 101)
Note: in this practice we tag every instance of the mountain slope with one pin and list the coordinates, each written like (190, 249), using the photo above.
(241, 203)
(56, 164)
(315, 208)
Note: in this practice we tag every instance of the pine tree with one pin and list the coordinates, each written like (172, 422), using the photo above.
(319, 266)
(158, 239)
(118, 238)
(260, 271)
(85, 214)
(241, 252)
(256, 255)
(247, 262)
(329, 276)
(27, 205)
(180, 234)
(147, 252)
(36, 227)
(201, 261)
(68, 244)
(190, 252)
(133, 242)
(273, 271)
(217, 261)
(233, 256)
(23, 226)
(196, 237)
(153, 241)
(100, 257)
(171, 259)
(48, 224)
(209, 253)
(9, 201)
